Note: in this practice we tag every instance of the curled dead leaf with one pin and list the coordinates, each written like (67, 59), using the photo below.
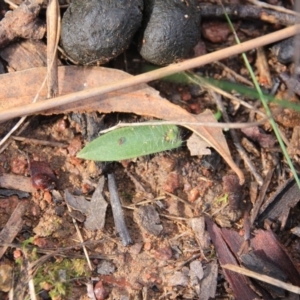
(19, 88)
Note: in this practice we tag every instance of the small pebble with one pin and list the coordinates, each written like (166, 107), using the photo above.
(172, 182)
(147, 246)
(18, 166)
(196, 269)
(284, 50)
(100, 291)
(106, 267)
(164, 253)
(179, 278)
(193, 194)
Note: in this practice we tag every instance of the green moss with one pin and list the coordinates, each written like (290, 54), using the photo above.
(56, 276)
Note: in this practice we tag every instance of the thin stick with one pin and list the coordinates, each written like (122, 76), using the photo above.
(274, 7)
(117, 211)
(13, 5)
(233, 73)
(261, 196)
(53, 32)
(81, 240)
(199, 81)
(236, 141)
(206, 124)
(31, 289)
(39, 142)
(264, 278)
(150, 76)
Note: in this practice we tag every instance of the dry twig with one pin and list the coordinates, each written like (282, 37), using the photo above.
(150, 76)
(264, 278)
(236, 141)
(120, 224)
(53, 33)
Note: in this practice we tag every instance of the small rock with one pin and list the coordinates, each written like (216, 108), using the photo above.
(284, 50)
(176, 98)
(195, 90)
(186, 96)
(179, 278)
(148, 218)
(47, 197)
(106, 267)
(164, 253)
(17, 254)
(215, 31)
(172, 183)
(196, 269)
(18, 165)
(136, 248)
(193, 194)
(209, 282)
(202, 236)
(99, 291)
(147, 246)
(167, 163)
(74, 146)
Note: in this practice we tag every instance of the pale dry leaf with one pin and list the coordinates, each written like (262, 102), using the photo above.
(94, 210)
(148, 218)
(20, 87)
(208, 285)
(197, 146)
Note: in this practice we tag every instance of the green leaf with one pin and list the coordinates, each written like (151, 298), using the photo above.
(131, 142)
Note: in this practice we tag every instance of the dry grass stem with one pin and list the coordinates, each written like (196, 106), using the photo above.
(239, 77)
(274, 7)
(11, 4)
(53, 33)
(206, 124)
(236, 140)
(81, 240)
(264, 278)
(150, 76)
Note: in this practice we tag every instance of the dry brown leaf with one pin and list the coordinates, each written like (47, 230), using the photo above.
(19, 88)
(22, 23)
(13, 226)
(197, 146)
(25, 54)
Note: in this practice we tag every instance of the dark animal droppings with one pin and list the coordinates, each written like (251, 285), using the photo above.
(99, 30)
(284, 50)
(171, 29)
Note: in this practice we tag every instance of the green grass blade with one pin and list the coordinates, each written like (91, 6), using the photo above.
(266, 107)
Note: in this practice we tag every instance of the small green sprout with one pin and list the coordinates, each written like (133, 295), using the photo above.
(222, 199)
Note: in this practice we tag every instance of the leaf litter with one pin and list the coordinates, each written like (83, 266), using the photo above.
(94, 210)
(158, 263)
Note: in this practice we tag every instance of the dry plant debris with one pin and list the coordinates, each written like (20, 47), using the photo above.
(143, 233)
(94, 210)
(22, 23)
